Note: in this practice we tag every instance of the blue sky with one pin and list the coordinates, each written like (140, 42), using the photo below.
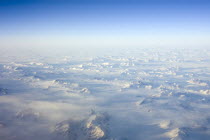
(45, 23)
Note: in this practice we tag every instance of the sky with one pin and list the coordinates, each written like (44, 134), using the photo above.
(104, 23)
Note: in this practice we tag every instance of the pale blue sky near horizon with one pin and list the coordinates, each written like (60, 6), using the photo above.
(83, 23)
